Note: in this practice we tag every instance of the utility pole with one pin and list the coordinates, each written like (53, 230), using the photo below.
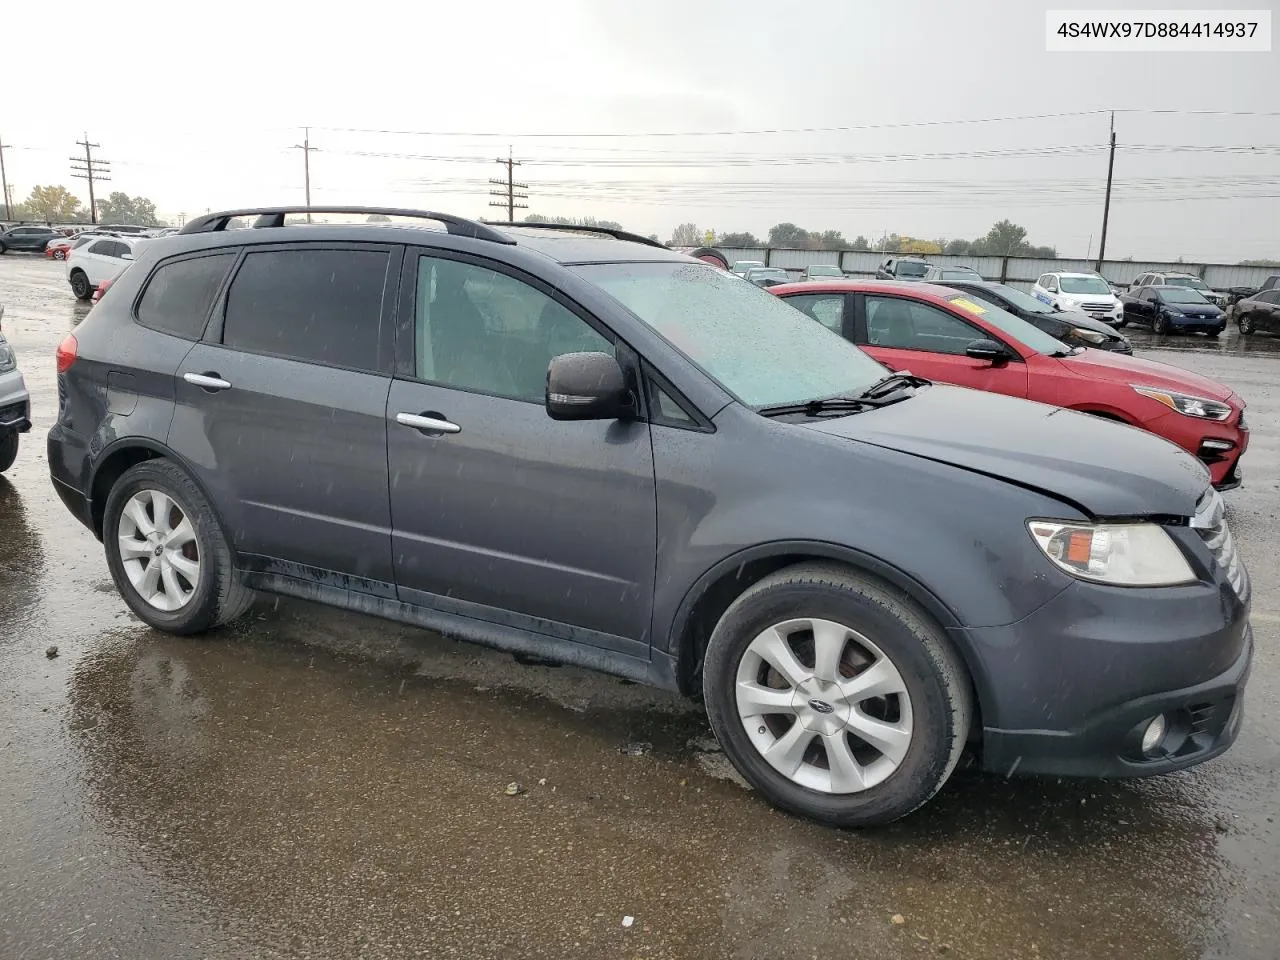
(86, 168)
(307, 149)
(4, 181)
(511, 188)
(1106, 205)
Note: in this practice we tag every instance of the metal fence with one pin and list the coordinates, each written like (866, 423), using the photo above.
(1016, 271)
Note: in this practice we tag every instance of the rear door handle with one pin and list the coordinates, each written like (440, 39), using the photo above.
(207, 381)
(431, 422)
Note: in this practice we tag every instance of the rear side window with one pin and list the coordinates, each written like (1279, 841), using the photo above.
(180, 293)
(321, 306)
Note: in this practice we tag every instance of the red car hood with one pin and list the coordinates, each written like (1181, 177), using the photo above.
(1106, 365)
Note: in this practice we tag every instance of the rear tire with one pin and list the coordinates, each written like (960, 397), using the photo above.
(194, 590)
(8, 450)
(812, 716)
(80, 285)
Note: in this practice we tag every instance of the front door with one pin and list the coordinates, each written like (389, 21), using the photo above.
(281, 411)
(499, 512)
(907, 335)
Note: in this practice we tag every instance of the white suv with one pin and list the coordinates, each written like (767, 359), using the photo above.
(101, 259)
(1086, 292)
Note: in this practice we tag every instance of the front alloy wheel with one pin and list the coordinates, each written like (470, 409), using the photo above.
(1245, 323)
(1160, 325)
(824, 705)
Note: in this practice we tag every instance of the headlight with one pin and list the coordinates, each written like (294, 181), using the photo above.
(1187, 404)
(1090, 336)
(1121, 554)
(7, 360)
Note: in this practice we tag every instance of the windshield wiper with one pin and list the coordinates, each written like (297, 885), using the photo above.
(892, 384)
(812, 408)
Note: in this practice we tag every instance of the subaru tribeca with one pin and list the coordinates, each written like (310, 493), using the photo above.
(580, 445)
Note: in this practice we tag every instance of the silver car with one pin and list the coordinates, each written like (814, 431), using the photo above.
(15, 402)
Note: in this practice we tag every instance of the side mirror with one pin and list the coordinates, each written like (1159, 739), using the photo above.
(587, 386)
(994, 353)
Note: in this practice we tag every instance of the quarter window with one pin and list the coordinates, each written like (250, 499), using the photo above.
(180, 293)
(480, 330)
(321, 306)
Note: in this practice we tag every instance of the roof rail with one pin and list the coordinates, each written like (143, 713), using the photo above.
(582, 228)
(274, 217)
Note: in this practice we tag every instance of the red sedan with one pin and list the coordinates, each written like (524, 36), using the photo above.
(940, 334)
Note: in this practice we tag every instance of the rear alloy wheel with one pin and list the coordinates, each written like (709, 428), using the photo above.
(8, 449)
(167, 553)
(835, 697)
(1245, 323)
(80, 285)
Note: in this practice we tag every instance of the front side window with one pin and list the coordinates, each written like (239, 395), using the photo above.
(826, 308)
(320, 306)
(759, 349)
(1051, 284)
(909, 325)
(180, 293)
(1146, 293)
(486, 332)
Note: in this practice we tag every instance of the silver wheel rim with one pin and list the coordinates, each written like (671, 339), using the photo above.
(158, 550)
(823, 705)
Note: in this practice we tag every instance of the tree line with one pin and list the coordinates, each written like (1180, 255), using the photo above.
(57, 204)
(1004, 239)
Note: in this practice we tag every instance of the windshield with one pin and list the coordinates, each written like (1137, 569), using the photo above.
(760, 349)
(825, 272)
(911, 268)
(1085, 285)
(1015, 327)
(1180, 295)
(769, 272)
(1023, 301)
(742, 266)
(960, 273)
(1195, 283)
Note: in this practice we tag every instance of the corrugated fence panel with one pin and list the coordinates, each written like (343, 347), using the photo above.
(1223, 277)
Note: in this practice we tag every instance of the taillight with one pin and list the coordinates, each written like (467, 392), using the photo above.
(66, 354)
(102, 289)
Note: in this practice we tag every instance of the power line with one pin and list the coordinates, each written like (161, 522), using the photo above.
(84, 169)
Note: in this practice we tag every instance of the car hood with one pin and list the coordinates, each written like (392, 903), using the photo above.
(1099, 365)
(1105, 469)
(1080, 319)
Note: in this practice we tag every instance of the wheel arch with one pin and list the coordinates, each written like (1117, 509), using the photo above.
(712, 593)
(1105, 412)
(120, 456)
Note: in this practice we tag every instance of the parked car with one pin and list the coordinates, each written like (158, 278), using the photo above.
(767, 276)
(58, 247)
(1259, 313)
(821, 271)
(99, 259)
(1070, 326)
(1086, 292)
(740, 267)
(1191, 281)
(1173, 310)
(605, 453)
(15, 403)
(936, 273)
(903, 268)
(26, 238)
(125, 228)
(944, 335)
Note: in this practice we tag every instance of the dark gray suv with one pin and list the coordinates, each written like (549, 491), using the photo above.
(585, 447)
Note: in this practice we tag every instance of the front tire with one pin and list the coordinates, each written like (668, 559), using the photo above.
(8, 450)
(59, 255)
(1160, 325)
(836, 697)
(80, 285)
(167, 552)
(1245, 323)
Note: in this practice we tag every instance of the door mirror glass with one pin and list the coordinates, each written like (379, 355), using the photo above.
(587, 386)
(994, 353)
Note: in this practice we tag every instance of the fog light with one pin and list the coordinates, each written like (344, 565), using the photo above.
(1217, 444)
(1152, 736)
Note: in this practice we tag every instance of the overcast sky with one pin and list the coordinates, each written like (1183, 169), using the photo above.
(198, 114)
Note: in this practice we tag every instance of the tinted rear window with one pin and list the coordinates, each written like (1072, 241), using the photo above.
(322, 306)
(180, 293)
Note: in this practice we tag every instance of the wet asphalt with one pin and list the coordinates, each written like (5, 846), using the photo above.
(312, 783)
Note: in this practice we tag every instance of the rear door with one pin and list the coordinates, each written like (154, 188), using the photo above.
(281, 410)
(504, 514)
(928, 341)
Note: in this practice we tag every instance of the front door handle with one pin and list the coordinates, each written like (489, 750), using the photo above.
(207, 381)
(430, 422)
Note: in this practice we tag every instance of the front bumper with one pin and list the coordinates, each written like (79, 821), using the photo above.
(1199, 324)
(15, 403)
(1066, 690)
